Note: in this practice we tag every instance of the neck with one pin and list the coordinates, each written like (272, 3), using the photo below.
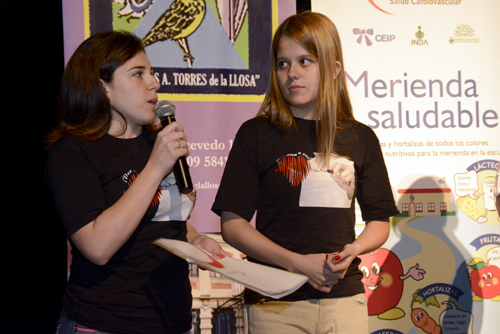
(120, 129)
(309, 115)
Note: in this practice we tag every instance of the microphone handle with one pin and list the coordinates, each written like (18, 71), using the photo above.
(181, 168)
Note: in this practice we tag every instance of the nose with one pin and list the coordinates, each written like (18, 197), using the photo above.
(293, 71)
(155, 84)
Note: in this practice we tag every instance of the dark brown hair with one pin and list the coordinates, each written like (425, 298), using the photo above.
(84, 108)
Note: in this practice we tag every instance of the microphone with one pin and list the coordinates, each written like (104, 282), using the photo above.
(165, 110)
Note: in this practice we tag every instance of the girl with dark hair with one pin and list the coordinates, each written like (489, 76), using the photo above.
(300, 165)
(110, 173)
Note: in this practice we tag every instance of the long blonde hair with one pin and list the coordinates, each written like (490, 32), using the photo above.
(319, 36)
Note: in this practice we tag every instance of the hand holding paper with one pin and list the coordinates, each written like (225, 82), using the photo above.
(268, 281)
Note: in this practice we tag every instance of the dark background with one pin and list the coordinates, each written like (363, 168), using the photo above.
(34, 244)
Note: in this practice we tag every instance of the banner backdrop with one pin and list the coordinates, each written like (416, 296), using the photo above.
(214, 69)
(424, 74)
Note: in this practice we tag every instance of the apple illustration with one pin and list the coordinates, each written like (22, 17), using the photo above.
(484, 280)
(381, 276)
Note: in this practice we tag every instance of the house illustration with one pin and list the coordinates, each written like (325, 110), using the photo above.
(424, 201)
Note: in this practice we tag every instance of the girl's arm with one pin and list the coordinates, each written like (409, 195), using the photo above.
(240, 234)
(203, 241)
(99, 240)
(373, 237)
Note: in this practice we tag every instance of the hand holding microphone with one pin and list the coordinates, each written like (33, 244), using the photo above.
(165, 110)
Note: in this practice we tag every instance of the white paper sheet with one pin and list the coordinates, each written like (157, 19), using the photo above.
(268, 281)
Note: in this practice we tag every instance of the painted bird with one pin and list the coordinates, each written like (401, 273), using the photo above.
(179, 21)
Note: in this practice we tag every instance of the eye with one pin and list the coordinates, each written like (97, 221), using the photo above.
(490, 275)
(306, 61)
(365, 271)
(376, 268)
(282, 63)
(484, 276)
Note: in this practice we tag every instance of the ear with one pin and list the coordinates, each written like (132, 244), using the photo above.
(105, 86)
(338, 68)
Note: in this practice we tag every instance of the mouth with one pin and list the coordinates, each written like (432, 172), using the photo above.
(294, 88)
(372, 287)
(153, 103)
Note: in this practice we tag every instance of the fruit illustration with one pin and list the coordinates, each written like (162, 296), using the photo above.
(484, 280)
(383, 280)
(381, 271)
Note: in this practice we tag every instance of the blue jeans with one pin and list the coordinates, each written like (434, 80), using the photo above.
(67, 326)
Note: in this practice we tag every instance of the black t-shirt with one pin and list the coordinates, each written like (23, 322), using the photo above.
(143, 288)
(299, 204)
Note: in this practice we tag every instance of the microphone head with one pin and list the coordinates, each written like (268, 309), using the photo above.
(164, 108)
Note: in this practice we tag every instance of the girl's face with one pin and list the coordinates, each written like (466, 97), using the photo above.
(132, 92)
(298, 76)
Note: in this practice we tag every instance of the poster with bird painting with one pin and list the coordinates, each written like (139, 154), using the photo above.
(217, 47)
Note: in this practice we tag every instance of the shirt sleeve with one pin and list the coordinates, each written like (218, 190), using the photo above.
(238, 190)
(74, 184)
(374, 192)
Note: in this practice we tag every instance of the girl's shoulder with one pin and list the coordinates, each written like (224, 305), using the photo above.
(358, 130)
(255, 126)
